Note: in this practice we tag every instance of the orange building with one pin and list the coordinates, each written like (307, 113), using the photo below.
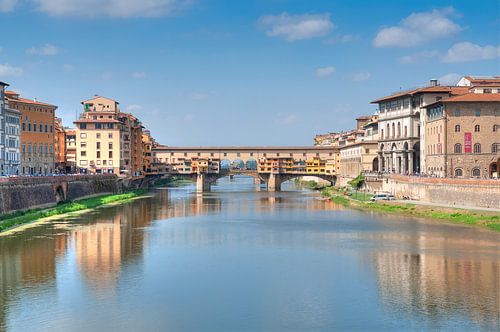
(37, 134)
(60, 146)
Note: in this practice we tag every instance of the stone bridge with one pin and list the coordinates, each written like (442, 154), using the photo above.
(270, 165)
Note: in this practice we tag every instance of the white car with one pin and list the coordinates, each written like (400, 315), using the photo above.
(382, 197)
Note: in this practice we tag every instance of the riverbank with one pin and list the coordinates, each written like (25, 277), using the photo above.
(16, 219)
(489, 220)
(172, 182)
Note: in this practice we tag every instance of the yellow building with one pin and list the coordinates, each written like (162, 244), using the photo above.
(315, 166)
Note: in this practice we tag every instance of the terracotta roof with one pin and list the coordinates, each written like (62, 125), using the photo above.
(483, 80)
(98, 120)
(470, 97)
(454, 90)
(10, 97)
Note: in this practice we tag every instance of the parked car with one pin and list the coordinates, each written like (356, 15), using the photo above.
(382, 197)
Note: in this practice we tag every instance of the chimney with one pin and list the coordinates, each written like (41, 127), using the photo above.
(34, 99)
(434, 82)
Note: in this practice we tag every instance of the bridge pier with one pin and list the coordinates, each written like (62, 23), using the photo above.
(274, 182)
(203, 183)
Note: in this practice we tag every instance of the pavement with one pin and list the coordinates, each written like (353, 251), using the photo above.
(476, 208)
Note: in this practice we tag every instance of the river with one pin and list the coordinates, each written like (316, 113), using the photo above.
(241, 258)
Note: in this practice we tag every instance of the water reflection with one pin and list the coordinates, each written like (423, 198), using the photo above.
(273, 261)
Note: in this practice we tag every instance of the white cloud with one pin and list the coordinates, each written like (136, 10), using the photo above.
(133, 108)
(7, 5)
(199, 96)
(111, 8)
(361, 76)
(325, 71)
(450, 79)
(139, 75)
(418, 57)
(47, 49)
(296, 27)
(68, 67)
(418, 28)
(466, 51)
(8, 70)
(340, 39)
(287, 119)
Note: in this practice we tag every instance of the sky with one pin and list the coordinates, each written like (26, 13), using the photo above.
(225, 72)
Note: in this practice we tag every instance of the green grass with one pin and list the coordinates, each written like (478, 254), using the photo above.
(172, 182)
(11, 220)
(459, 216)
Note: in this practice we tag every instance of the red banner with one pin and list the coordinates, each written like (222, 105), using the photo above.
(467, 142)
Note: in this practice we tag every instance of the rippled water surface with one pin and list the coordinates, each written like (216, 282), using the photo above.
(239, 258)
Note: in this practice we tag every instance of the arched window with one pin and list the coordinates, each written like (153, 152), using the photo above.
(399, 129)
(458, 148)
(477, 128)
(382, 133)
(495, 126)
(459, 172)
(406, 131)
(477, 148)
(457, 128)
(388, 131)
(476, 172)
(393, 130)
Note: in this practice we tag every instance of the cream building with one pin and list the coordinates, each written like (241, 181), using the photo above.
(401, 140)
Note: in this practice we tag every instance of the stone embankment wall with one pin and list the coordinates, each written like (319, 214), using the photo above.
(25, 193)
(465, 192)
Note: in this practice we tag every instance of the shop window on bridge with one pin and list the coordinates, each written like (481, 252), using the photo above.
(476, 172)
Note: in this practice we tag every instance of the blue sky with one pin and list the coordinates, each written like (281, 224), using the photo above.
(274, 72)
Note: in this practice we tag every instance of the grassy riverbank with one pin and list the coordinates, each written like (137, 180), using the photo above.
(172, 182)
(8, 221)
(461, 216)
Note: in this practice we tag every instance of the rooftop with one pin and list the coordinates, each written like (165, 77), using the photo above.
(471, 97)
(454, 90)
(14, 96)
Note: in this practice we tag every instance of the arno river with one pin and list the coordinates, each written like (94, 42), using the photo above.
(243, 259)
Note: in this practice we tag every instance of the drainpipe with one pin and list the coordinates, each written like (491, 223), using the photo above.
(445, 141)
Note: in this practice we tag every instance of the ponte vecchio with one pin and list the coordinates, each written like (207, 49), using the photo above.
(272, 165)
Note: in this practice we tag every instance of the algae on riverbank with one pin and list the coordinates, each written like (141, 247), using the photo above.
(461, 216)
(8, 221)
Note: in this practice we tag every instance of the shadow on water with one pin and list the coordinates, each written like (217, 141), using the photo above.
(242, 258)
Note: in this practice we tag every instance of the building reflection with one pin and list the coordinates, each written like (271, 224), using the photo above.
(435, 285)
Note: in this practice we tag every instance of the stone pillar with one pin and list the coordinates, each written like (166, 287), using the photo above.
(403, 163)
(273, 184)
(410, 162)
(397, 162)
(380, 156)
(202, 183)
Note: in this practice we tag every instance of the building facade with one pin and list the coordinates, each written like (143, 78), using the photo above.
(59, 146)
(401, 137)
(107, 140)
(464, 135)
(37, 134)
(70, 151)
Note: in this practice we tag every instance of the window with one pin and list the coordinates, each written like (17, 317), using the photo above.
(24, 127)
(83, 162)
(458, 172)
(34, 127)
(406, 131)
(83, 145)
(110, 154)
(29, 126)
(382, 133)
(477, 128)
(487, 91)
(457, 128)
(51, 129)
(495, 147)
(83, 135)
(83, 153)
(98, 154)
(109, 125)
(46, 128)
(478, 112)
(110, 135)
(393, 130)
(494, 128)
(110, 146)
(98, 126)
(83, 126)
(476, 172)
(477, 148)
(98, 135)
(98, 145)
(399, 129)
(41, 128)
